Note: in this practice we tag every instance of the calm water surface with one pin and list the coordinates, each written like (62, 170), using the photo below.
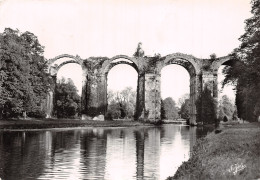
(96, 153)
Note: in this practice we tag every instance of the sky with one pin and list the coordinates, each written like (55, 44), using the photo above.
(112, 27)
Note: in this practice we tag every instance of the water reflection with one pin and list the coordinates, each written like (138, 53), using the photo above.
(96, 153)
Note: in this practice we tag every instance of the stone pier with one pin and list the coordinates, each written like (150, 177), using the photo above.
(152, 97)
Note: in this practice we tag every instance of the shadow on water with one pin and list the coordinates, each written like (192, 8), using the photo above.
(97, 153)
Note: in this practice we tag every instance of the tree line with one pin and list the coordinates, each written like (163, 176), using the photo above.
(244, 71)
(122, 104)
(24, 79)
(25, 82)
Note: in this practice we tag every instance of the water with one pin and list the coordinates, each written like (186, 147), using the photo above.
(96, 153)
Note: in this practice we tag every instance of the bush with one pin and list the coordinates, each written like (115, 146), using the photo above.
(188, 121)
(225, 119)
(108, 116)
(37, 114)
(156, 123)
(205, 108)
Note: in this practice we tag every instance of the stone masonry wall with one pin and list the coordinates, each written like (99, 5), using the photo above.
(152, 97)
(148, 104)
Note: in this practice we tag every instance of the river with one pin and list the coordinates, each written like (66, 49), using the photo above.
(96, 153)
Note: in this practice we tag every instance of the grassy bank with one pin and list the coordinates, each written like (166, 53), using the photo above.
(234, 153)
(63, 123)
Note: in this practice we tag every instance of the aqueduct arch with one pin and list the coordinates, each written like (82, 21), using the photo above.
(74, 58)
(95, 69)
(214, 67)
(189, 63)
(226, 60)
(110, 63)
(53, 70)
(114, 61)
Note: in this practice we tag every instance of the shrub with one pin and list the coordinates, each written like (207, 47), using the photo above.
(225, 119)
(37, 114)
(108, 116)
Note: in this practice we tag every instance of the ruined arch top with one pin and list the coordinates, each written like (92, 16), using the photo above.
(109, 64)
(75, 58)
(220, 61)
(66, 62)
(189, 62)
(192, 64)
(54, 69)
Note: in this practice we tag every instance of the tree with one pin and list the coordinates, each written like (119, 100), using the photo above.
(122, 104)
(24, 81)
(130, 101)
(221, 114)
(114, 109)
(184, 103)
(226, 108)
(163, 115)
(185, 109)
(183, 98)
(225, 119)
(213, 56)
(206, 108)
(171, 111)
(234, 117)
(110, 96)
(68, 100)
(244, 72)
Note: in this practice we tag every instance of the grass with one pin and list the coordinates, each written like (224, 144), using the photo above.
(63, 123)
(234, 153)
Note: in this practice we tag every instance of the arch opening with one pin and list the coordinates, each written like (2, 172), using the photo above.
(68, 91)
(58, 67)
(71, 71)
(175, 92)
(121, 91)
(192, 71)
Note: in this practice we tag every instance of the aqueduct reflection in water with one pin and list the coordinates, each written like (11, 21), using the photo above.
(97, 153)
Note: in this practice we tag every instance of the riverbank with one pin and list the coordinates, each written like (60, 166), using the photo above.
(233, 153)
(13, 124)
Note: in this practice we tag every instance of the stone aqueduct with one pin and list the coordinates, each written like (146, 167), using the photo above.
(203, 73)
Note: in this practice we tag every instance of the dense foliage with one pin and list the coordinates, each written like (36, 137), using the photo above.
(121, 104)
(226, 108)
(206, 108)
(23, 78)
(184, 103)
(170, 109)
(68, 100)
(245, 70)
(163, 115)
(185, 109)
